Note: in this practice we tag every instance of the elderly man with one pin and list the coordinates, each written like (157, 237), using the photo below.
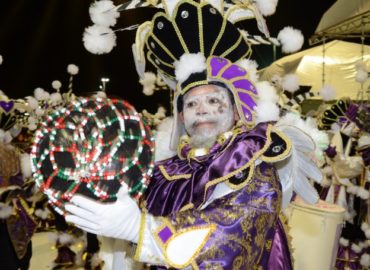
(214, 206)
(216, 203)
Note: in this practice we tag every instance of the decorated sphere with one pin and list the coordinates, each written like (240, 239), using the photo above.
(92, 147)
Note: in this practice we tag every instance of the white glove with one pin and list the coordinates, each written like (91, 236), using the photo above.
(120, 219)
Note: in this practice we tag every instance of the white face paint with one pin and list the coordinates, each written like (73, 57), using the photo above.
(208, 112)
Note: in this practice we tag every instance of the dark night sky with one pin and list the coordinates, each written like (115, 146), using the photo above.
(39, 38)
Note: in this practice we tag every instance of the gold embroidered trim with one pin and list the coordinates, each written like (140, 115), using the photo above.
(141, 237)
(211, 227)
(187, 207)
(244, 183)
(282, 155)
(163, 48)
(173, 177)
(232, 48)
(251, 161)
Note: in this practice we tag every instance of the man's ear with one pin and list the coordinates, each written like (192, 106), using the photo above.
(181, 117)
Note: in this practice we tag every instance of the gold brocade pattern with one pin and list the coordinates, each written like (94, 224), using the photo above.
(252, 213)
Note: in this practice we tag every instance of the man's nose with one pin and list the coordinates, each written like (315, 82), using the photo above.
(201, 110)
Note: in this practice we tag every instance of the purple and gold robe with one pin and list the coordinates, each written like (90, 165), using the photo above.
(245, 229)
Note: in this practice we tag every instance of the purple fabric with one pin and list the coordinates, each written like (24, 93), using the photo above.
(279, 258)
(331, 151)
(232, 72)
(217, 64)
(245, 85)
(351, 112)
(164, 197)
(365, 154)
(165, 234)
(21, 227)
(348, 259)
(246, 220)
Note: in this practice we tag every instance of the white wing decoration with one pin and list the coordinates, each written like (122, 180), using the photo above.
(299, 167)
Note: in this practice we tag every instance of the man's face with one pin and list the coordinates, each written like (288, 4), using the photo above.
(208, 112)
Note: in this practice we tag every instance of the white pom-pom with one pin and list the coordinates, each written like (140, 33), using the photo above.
(291, 39)
(72, 69)
(360, 65)
(56, 85)
(364, 226)
(266, 111)
(361, 76)
(148, 82)
(367, 233)
(99, 39)
(55, 98)
(25, 160)
(266, 7)
(41, 94)
(365, 260)
(32, 126)
(266, 92)
(161, 112)
(335, 127)
(353, 189)
(188, 64)
(5, 210)
(344, 242)
(1, 59)
(32, 103)
(103, 13)
(251, 67)
(290, 83)
(356, 248)
(39, 112)
(363, 193)
(364, 140)
(327, 93)
(65, 238)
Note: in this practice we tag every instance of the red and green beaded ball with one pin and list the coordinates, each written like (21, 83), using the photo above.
(92, 148)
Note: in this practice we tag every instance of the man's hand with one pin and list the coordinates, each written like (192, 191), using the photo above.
(120, 219)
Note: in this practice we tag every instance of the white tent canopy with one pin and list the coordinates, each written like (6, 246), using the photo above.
(345, 18)
(340, 67)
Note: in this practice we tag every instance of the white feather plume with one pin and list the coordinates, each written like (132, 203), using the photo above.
(291, 39)
(103, 13)
(99, 39)
(251, 67)
(148, 82)
(296, 170)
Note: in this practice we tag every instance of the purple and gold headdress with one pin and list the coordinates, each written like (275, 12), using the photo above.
(191, 44)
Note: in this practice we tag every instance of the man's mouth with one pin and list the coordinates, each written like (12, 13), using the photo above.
(203, 124)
